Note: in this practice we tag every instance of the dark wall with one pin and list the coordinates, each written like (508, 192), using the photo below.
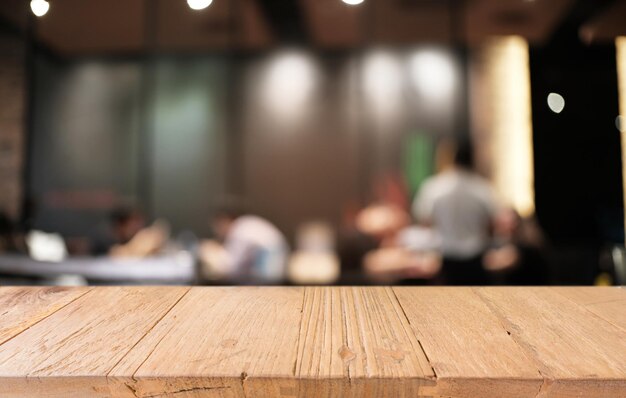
(185, 140)
(102, 140)
(577, 152)
(312, 158)
(86, 125)
(298, 135)
(578, 170)
(13, 100)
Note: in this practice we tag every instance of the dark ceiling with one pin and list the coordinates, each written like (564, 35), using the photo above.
(76, 27)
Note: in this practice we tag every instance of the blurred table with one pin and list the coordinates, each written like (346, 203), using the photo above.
(175, 268)
(312, 341)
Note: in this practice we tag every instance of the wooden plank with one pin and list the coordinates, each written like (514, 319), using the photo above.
(317, 341)
(356, 342)
(22, 307)
(222, 342)
(608, 303)
(585, 295)
(469, 350)
(578, 353)
(69, 353)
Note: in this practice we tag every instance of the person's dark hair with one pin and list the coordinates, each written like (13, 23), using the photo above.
(464, 156)
(231, 212)
(230, 207)
(122, 215)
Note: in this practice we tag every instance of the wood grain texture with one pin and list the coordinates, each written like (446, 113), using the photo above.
(577, 352)
(22, 307)
(466, 344)
(73, 349)
(312, 342)
(246, 339)
(609, 303)
(358, 338)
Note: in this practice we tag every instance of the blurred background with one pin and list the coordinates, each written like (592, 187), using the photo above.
(312, 141)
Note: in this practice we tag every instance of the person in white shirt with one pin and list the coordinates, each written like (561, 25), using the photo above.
(461, 206)
(253, 250)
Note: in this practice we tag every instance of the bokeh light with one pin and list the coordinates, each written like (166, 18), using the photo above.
(39, 7)
(199, 4)
(290, 80)
(556, 102)
(433, 74)
(383, 82)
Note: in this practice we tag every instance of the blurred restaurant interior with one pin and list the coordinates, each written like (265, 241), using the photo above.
(422, 142)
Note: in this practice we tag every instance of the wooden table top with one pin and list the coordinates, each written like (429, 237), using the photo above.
(312, 342)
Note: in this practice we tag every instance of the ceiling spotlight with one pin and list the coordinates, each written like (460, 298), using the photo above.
(353, 2)
(39, 7)
(199, 4)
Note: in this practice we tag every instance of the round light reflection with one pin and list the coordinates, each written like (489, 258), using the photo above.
(352, 2)
(289, 84)
(383, 82)
(199, 4)
(556, 102)
(39, 7)
(432, 73)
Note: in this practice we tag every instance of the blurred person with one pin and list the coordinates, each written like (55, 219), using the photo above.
(249, 249)
(412, 259)
(13, 232)
(404, 252)
(391, 189)
(382, 221)
(314, 261)
(352, 246)
(367, 229)
(146, 242)
(461, 206)
(129, 236)
(515, 257)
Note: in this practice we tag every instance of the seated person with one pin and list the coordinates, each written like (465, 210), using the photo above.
(249, 249)
(412, 258)
(314, 261)
(128, 235)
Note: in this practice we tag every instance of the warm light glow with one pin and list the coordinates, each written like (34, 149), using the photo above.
(620, 44)
(289, 82)
(433, 74)
(510, 126)
(556, 102)
(39, 7)
(383, 83)
(353, 2)
(199, 4)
